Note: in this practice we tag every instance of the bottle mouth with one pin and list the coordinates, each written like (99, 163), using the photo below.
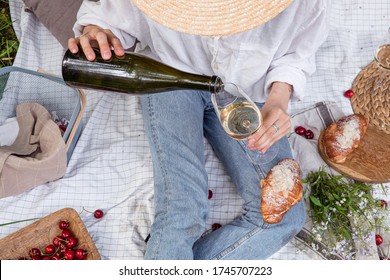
(216, 84)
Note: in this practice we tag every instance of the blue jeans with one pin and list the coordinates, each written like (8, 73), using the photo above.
(176, 123)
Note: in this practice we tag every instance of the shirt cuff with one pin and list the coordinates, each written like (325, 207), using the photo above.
(290, 75)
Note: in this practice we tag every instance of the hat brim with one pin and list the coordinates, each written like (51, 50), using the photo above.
(211, 17)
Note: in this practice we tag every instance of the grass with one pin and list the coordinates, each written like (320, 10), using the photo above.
(8, 41)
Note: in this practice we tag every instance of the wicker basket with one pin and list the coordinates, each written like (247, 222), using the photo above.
(18, 85)
(372, 96)
(42, 232)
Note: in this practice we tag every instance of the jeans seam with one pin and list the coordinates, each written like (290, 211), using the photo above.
(159, 153)
(238, 243)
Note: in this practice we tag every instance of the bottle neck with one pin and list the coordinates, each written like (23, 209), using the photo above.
(216, 84)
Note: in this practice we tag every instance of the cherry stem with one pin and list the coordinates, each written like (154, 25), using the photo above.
(15, 222)
(86, 211)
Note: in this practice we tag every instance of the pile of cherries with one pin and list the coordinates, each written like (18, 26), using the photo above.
(63, 247)
(307, 133)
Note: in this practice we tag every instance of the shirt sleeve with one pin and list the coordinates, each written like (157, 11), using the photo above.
(120, 18)
(296, 63)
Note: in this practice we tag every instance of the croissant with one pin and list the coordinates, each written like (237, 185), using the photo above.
(342, 137)
(281, 189)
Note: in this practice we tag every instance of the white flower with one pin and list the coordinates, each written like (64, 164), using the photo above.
(361, 205)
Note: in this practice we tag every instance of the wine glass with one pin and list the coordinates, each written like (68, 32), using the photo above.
(240, 118)
(382, 53)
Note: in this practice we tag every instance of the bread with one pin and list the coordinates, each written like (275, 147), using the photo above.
(281, 189)
(342, 137)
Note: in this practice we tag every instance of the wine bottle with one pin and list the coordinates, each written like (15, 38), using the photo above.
(131, 73)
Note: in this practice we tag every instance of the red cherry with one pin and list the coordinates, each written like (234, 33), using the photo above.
(35, 253)
(210, 194)
(309, 134)
(50, 249)
(57, 241)
(81, 254)
(378, 239)
(46, 258)
(62, 127)
(69, 254)
(383, 203)
(349, 93)
(71, 242)
(56, 256)
(216, 226)
(98, 214)
(63, 224)
(62, 247)
(66, 233)
(300, 130)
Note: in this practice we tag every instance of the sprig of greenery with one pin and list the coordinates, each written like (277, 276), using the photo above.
(344, 213)
(8, 41)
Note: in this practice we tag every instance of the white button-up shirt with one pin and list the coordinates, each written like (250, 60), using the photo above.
(280, 50)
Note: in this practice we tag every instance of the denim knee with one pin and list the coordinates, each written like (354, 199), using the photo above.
(295, 218)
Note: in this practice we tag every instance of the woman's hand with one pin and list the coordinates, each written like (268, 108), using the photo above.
(97, 37)
(276, 120)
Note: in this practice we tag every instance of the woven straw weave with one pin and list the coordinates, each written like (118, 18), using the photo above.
(372, 96)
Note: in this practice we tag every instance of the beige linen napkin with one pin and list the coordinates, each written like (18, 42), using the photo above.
(38, 154)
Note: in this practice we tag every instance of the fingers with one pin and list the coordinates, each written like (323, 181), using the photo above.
(86, 46)
(96, 37)
(73, 45)
(117, 45)
(268, 136)
(276, 124)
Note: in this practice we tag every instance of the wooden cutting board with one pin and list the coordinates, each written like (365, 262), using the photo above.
(41, 233)
(370, 162)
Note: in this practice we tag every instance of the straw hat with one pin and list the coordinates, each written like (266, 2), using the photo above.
(211, 17)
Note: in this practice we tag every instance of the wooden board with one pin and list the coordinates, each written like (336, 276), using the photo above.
(370, 162)
(41, 233)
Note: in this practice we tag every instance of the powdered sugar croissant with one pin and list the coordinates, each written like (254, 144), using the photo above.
(342, 137)
(281, 189)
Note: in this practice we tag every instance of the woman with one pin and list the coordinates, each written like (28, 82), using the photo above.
(265, 48)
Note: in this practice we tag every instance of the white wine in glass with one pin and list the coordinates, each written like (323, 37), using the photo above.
(240, 118)
(239, 115)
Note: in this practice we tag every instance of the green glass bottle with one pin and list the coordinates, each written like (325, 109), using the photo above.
(132, 73)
